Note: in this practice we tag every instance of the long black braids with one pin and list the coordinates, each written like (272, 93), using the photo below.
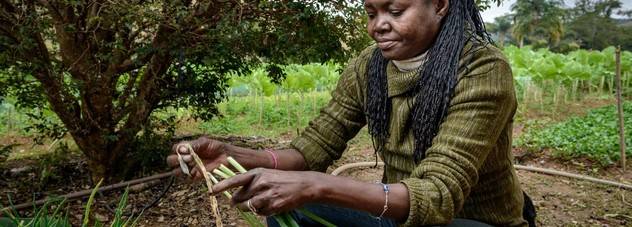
(436, 82)
(378, 105)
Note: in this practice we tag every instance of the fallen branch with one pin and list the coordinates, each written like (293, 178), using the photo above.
(79, 194)
(342, 168)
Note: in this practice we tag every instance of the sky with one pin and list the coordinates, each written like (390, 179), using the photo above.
(495, 11)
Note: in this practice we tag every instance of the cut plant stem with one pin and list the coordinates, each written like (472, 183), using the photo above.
(221, 174)
(226, 170)
(200, 165)
(236, 164)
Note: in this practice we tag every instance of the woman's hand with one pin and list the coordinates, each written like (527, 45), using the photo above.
(212, 153)
(271, 191)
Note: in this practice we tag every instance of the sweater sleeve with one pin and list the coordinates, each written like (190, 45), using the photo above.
(483, 104)
(326, 136)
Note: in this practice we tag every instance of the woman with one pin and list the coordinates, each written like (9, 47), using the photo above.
(439, 102)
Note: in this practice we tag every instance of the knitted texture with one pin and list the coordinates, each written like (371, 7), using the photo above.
(467, 172)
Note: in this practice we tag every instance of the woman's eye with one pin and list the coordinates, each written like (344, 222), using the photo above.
(396, 12)
(371, 15)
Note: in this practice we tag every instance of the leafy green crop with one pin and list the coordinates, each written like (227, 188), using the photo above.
(595, 136)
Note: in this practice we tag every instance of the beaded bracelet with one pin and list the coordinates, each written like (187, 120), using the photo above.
(385, 188)
(276, 161)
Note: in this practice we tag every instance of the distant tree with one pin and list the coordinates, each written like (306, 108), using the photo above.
(501, 27)
(538, 18)
(591, 24)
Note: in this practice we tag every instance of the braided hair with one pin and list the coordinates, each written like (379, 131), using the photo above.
(435, 83)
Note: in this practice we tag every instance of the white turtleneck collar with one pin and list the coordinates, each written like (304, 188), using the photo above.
(411, 63)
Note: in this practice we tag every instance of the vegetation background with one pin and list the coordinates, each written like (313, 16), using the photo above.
(94, 90)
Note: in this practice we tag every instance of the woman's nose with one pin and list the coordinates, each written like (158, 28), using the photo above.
(382, 25)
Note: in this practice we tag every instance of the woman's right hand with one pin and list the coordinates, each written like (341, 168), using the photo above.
(211, 152)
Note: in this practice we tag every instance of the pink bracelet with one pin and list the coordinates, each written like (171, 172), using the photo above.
(276, 161)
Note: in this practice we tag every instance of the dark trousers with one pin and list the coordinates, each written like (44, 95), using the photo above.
(344, 217)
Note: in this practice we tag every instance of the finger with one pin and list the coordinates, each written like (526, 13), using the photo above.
(172, 161)
(235, 181)
(249, 205)
(188, 159)
(177, 172)
(181, 148)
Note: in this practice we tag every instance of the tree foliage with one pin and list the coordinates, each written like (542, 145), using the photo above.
(591, 24)
(104, 66)
(538, 18)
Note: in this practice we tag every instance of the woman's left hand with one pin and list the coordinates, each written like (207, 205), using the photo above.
(269, 192)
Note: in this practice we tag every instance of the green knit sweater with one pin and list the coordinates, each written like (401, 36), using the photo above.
(468, 171)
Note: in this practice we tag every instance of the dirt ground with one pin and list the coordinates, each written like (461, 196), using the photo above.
(560, 201)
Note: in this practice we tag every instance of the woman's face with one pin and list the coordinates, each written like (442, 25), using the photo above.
(404, 28)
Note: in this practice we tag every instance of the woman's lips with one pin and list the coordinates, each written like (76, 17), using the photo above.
(383, 45)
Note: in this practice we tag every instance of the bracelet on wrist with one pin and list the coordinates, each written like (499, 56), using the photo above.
(385, 188)
(274, 158)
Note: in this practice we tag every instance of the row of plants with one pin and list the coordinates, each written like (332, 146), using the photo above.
(567, 77)
(595, 136)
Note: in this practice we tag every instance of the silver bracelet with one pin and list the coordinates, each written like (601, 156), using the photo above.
(386, 189)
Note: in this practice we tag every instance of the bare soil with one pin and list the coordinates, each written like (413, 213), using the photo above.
(560, 201)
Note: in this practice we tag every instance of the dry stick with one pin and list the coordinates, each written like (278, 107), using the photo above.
(79, 194)
(207, 180)
(528, 168)
(620, 109)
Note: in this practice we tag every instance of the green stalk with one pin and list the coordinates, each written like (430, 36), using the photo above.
(289, 220)
(226, 170)
(280, 220)
(221, 174)
(236, 164)
(315, 217)
(86, 218)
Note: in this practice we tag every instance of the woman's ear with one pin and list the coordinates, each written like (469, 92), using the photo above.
(442, 7)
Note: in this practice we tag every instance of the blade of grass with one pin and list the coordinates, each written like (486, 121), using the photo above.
(121, 207)
(12, 213)
(137, 218)
(59, 207)
(289, 220)
(280, 220)
(86, 218)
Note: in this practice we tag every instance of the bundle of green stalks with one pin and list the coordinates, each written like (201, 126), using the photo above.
(284, 219)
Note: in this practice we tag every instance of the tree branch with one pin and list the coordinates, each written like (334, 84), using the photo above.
(7, 6)
(52, 10)
(122, 108)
